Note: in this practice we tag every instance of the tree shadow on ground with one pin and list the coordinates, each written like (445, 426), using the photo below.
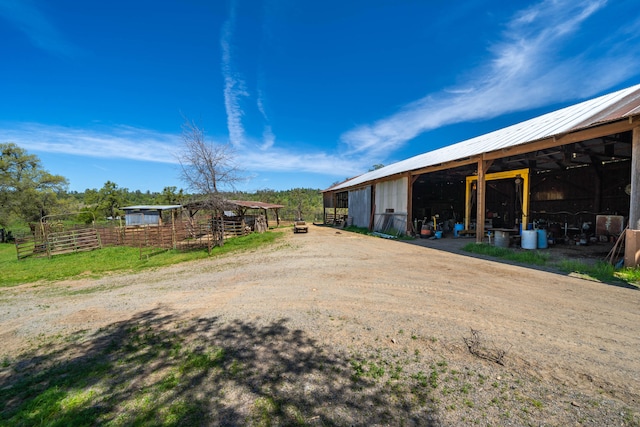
(161, 369)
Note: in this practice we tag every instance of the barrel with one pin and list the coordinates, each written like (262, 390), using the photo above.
(457, 228)
(502, 239)
(542, 239)
(529, 239)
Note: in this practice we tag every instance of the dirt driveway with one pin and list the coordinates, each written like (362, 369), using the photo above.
(354, 292)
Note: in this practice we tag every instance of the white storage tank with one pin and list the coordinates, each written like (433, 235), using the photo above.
(529, 239)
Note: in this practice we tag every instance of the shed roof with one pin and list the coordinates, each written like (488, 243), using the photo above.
(151, 207)
(607, 108)
(255, 205)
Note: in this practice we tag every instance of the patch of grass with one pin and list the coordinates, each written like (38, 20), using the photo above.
(421, 378)
(98, 387)
(537, 403)
(264, 409)
(110, 259)
(433, 379)
(355, 229)
(466, 388)
(396, 372)
(629, 275)
(364, 369)
(526, 257)
(197, 360)
(600, 271)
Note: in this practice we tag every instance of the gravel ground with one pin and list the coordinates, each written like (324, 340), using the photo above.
(357, 330)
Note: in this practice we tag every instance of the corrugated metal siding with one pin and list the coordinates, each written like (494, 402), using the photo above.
(360, 206)
(391, 195)
(142, 218)
(607, 108)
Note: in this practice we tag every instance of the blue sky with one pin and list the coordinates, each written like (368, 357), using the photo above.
(308, 93)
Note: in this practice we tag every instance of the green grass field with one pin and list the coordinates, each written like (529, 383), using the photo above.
(109, 259)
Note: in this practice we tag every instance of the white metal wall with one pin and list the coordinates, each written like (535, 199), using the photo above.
(391, 195)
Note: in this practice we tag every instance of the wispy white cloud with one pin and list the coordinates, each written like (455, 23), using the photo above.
(268, 137)
(120, 142)
(234, 85)
(28, 18)
(282, 160)
(126, 142)
(524, 72)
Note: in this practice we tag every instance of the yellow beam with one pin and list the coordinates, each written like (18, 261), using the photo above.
(518, 173)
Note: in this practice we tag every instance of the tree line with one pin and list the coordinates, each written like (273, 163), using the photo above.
(28, 193)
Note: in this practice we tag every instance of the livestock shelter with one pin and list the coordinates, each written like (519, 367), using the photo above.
(243, 206)
(239, 210)
(574, 172)
(147, 214)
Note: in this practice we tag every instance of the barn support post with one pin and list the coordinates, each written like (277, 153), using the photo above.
(411, 180)
(472, 198)
(632, 235)
(480, 191)
(526, 186)
(468, 202)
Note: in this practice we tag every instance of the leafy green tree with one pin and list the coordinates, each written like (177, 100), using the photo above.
(27, 191)
(170, 196)
(107, 201)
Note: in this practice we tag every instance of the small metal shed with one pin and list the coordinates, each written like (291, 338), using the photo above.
(146, 214)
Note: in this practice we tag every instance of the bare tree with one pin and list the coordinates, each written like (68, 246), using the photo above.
(207, 168)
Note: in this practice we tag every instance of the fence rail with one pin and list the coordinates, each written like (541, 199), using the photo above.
(182, 235)
(25, 246)
(78, 240)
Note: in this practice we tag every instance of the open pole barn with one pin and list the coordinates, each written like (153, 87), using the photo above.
(574, 173)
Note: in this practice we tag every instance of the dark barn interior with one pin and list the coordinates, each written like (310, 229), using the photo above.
(569, 186)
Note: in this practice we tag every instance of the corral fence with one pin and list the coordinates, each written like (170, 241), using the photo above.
(25, 246)
(55, 239)
(48, 239)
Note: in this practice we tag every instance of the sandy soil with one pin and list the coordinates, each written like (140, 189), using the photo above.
(350, 291)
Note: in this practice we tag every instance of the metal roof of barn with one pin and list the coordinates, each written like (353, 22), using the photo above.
(604, 109)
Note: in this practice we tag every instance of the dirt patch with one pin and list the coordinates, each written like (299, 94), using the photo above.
(568, 347)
